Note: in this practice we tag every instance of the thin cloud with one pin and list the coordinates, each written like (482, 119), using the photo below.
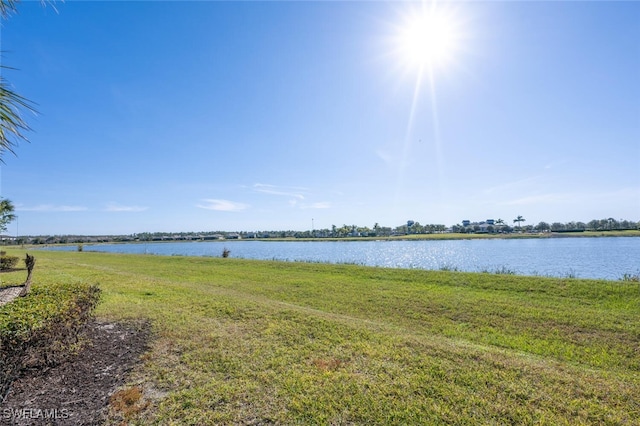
(319, 205)
(609, 197)
(221, 205)
(512, 186)
(115, 207)
(387, 157)
(555, 164)
(51, 208)
(275, 190)
(537, 199)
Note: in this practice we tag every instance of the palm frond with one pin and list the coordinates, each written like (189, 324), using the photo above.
(7, 7)
(12, 125)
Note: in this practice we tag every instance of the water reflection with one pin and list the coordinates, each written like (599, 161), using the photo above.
(608, 258)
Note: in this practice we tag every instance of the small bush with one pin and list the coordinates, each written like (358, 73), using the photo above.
(8, 262)
(226, 252)
(503, 270)
(498, 270)
(449, 267)
(633, 278)
(42, 329)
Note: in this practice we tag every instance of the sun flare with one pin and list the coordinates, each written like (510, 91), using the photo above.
(429, 38)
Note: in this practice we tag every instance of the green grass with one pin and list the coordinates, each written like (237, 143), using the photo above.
(254, 342)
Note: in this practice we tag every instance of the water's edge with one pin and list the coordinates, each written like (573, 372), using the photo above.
(609, 258)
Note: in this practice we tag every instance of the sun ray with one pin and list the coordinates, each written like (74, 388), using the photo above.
(427, 40)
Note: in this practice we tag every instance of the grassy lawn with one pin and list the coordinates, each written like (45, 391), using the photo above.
(255, 342)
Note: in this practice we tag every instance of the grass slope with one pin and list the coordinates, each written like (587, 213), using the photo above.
(255, 342)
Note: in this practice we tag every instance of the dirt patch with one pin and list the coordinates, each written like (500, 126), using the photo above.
(78, 391)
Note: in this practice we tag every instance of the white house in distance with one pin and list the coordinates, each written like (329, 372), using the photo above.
(483, 226)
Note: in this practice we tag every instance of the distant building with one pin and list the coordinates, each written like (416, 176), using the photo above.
(488, 225)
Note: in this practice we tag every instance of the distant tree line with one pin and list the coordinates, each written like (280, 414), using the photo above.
(344, 231)
(609, 224)
(408, 228)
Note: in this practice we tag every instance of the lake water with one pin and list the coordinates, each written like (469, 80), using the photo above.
(604, 257)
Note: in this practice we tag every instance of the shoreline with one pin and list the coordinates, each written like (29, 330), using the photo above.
(407, 237)
(492, 257)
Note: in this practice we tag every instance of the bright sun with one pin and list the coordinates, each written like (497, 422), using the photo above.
(428, 38)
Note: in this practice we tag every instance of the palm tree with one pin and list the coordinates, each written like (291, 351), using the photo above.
(12, 126)
(6, 214)
(519, 219)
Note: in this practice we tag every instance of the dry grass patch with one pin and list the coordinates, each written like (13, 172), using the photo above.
(128, 402)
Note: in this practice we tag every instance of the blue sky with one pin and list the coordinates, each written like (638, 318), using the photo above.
(243, 116)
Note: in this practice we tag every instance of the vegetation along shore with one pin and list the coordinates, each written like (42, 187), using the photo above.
(257, 342)
(489, 228)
